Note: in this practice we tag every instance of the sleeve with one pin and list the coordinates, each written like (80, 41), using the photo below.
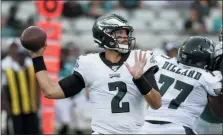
(151, 62)
(81, 68)
(151, 69)
(213, 84)
(73, 84)
(151, 78)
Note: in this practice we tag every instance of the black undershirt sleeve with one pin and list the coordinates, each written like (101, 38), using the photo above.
(149, 74)
(72, 85)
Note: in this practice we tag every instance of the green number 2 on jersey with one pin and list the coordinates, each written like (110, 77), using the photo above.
(184, 88)
(122, 90)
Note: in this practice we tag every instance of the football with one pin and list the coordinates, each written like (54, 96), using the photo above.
(33, 38)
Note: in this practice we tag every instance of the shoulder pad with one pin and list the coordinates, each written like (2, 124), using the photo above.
(85, 59)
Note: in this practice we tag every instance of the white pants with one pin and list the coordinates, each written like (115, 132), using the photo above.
(81, 112)
(62, 110)
(63, 107)
(171, 128)
(204, 127)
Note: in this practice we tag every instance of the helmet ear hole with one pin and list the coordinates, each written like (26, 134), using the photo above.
(102, 39)
(112, 43)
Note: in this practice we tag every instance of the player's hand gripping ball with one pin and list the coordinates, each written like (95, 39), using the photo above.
(33, 38)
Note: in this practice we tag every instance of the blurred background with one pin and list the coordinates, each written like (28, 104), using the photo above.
(160, 26)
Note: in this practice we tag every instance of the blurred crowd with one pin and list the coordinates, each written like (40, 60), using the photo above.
(195, 22)
(200, 11)
(73, 114)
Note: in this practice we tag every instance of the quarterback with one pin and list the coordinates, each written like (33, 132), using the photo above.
(115, 78)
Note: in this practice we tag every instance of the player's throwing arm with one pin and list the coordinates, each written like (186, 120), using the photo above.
(34, 39)
(144, 85)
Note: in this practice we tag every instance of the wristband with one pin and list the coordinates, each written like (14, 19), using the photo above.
(39, 64)
(143, 85)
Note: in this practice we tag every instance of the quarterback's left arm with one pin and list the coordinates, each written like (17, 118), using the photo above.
(148, 87)
(153, 97)
(145, 81)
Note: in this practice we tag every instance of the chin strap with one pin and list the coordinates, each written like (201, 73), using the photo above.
(123, 48)
(120, 50)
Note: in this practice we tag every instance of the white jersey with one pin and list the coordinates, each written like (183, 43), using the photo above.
(117, 105)
(184, 91)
